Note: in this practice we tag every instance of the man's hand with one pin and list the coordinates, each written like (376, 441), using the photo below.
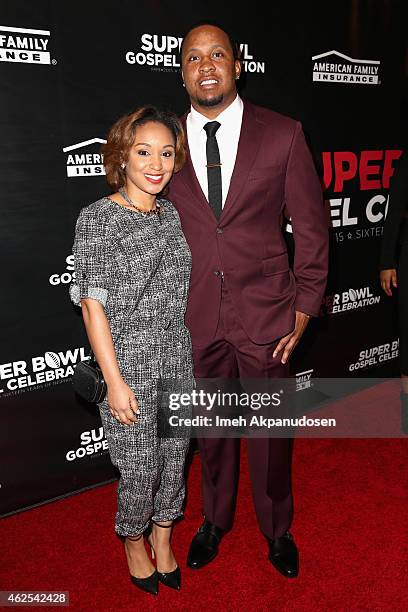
(388, 277)
(290, 341)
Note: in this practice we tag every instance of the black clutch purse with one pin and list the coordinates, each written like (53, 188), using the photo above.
(88, 381)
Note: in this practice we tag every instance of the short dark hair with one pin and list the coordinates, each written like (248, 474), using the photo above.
(121, 137)
(233, 43)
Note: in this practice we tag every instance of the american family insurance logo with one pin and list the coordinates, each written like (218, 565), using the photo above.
(161, 52)
(304, 380)
(84, 159)
(335, 67)
(20, 45)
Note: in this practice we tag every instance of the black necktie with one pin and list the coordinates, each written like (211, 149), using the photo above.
(213, 168)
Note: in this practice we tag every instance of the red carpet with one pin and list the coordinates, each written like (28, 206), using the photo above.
(350, 525)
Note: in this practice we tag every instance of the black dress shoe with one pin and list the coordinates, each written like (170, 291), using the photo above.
(171, 579)
(284, 555)
(204, 546)
(149, 584)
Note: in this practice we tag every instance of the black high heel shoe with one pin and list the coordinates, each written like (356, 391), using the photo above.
(170, 579)
(149, 584)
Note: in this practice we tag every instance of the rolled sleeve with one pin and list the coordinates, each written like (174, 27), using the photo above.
(92, 259)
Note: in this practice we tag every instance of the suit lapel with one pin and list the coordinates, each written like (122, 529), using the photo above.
(248, 145)
(189, 177)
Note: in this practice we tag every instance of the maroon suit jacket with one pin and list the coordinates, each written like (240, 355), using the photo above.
(273, 168)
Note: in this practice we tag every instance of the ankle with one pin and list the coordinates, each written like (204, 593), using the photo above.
(134, 545)
(162, 526)
(160, 540)
(161, 532)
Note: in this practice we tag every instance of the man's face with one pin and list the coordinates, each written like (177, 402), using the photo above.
(209, 68)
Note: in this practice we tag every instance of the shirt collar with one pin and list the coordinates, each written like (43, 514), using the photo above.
(228, 116)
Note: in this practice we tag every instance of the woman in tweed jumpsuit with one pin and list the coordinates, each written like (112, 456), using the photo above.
(132, 268)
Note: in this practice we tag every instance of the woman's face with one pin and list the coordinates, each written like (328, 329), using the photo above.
(151, 159)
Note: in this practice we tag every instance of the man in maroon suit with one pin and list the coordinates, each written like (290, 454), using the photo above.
(247, 310)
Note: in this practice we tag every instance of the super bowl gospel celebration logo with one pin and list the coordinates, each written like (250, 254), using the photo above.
(351, 299)
(356, 188)
(356, 217)
(161, 53)
(43, 370)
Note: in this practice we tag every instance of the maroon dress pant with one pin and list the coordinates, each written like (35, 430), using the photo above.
(231, 354)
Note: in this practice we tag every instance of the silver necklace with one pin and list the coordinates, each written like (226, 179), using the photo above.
(154, 211)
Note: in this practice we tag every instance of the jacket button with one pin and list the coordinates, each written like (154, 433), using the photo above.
(219, 230)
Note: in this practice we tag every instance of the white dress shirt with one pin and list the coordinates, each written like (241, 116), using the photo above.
(227, 137)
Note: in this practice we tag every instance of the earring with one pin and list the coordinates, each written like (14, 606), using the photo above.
(184, 84)
(123, 165)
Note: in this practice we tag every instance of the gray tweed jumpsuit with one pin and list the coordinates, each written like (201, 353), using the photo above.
(138, 268)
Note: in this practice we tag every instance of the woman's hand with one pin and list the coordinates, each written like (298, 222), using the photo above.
(121, 399)
(388, 277)
(122, 403)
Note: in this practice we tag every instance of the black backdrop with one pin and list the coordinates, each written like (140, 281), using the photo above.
(68, 70)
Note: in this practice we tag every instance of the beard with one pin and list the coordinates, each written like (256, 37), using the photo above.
(208, 102)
